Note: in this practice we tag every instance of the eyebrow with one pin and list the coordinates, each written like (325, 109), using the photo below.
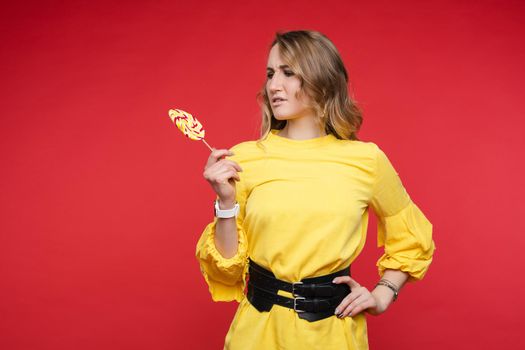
(281, 66)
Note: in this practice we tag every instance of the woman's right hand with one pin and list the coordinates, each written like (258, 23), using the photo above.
(222, 173)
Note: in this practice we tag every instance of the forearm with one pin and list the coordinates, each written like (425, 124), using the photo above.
(226, 235)
(383, 294)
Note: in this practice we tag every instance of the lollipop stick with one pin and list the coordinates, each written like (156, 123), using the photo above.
(211, 149)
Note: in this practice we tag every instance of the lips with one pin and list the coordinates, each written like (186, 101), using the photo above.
(278, 100)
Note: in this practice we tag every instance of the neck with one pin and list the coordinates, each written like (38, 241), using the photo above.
(301, 129)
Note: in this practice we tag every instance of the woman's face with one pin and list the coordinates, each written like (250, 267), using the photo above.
(282, 86)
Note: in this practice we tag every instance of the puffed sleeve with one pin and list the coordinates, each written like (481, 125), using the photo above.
(226, 277)
(403, 229)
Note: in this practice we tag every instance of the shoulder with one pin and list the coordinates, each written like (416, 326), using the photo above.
(245, 151)
(242, 146)
(363, 149)
(378, 154)
(245, 148)
(369, 154)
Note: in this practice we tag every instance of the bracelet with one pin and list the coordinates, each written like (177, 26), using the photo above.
(392, 286)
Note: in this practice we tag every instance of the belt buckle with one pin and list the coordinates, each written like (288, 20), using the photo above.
(295, 304)
(293, 288)
(295, 297)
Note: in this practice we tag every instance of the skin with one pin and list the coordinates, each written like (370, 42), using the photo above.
(300, 125)
(222, 174)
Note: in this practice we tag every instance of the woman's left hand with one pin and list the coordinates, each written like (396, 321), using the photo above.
(359, 299)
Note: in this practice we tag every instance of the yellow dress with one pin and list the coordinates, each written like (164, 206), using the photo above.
(304, 213)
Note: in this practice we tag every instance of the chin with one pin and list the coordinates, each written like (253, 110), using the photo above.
(282, 116)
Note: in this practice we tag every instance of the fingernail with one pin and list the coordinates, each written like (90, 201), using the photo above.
(333, 281)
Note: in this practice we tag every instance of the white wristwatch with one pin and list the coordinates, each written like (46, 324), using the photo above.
(226, 213)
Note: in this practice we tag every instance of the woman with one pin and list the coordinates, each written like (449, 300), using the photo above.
(292, 212)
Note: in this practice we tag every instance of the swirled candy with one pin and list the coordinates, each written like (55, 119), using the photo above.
(188, 124)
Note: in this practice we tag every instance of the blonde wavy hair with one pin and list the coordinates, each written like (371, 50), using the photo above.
(314, 59)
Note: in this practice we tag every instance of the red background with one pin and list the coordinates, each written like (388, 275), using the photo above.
(103, 200)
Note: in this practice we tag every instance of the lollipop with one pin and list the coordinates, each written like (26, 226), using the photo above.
(188, 124)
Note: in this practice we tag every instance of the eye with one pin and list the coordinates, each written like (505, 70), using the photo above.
(269, 75)
(288, 73)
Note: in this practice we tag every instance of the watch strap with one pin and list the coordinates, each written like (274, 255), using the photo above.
(225, 213)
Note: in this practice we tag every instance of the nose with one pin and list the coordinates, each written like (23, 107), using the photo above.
(275, 83)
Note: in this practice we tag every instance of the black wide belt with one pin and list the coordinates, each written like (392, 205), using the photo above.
(313, 299)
